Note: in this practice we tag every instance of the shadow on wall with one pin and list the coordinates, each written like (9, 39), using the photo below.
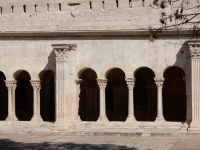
(51, 65)
(8, 144)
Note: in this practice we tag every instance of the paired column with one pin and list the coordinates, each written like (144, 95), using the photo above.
(195, 77)
(78, 83)
(36, 100)
(102, 85)
(159, 83)
(11, 85)
(131, 83)
(62, 52)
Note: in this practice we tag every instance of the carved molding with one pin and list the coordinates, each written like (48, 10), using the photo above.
(194, 51)
(11, 85)
(102, 83)
(159, 81)
(130, 82)
(36, 84)
(78, 81)
(62, 51)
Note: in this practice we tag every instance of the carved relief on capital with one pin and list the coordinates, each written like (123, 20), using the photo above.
(195, 51)
(130, 82)
(102, 83)
(11, 85)
(78, 81)
(62, 51)
(36, 84)
(159, 81)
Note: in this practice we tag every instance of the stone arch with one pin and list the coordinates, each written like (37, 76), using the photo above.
(145, 94)
(116, 93)
(3, 97)
(23, 96)
(89, 95)
(47, 95)
(174, 94)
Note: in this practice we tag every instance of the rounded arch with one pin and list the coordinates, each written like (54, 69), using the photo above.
(116, 94)
(142, 68)
(145, 94)
(23, 96)
(114, 69)
(89, 95)
(174, 94)
(174, 67)
(47, 95)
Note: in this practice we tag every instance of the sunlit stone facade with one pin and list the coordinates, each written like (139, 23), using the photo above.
(89, 67)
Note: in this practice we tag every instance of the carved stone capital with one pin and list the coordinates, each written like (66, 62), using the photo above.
(102, 83)
(11, 85)
(130, 82)
(195, 51)
(36, 84)
(78, 81)
(159, 81)
(62, 51)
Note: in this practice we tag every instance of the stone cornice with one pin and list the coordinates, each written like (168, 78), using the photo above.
(114, 32)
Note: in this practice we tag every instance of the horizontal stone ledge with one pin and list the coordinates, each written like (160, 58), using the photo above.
(122, 32)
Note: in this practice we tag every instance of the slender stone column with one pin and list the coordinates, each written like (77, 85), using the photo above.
(62, 52)
(159, 83)
(78, 90)
(195, 75)
(36, 100)
(102, 85)
(131, 83)
(11, 85)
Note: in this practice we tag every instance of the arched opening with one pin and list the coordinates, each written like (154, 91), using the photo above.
(89, 96)
(116, 96)
(145, 95)
(3, 97)
(174, 95)
(47, 95)
(24, 96)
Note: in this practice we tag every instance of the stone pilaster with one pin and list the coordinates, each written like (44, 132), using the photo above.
(62, 52)
(11, 85)
(102, 85)
(195, 77)
(159, 83)
(36, 84)
(131, 83)
(78, 90)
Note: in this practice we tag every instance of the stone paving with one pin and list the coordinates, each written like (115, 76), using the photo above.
(44, 142)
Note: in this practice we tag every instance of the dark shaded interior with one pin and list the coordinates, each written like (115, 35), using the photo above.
(47, 96)
(116, 96)
(89, 96)
(3, 97)
(145, 95)
(174, 95)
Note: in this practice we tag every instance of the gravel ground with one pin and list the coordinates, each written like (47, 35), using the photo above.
(39, 142)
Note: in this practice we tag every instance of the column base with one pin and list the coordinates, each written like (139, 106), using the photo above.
(36, 119)
(195, 124)
(131, 119)
(11, 119)
(160, 119)
(103, 119)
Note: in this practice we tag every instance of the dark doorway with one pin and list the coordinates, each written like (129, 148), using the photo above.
(3, 97)
(89, 96)
(47, 96)
(116, 96)
(145, 95)
(24, 97)
(174, 95)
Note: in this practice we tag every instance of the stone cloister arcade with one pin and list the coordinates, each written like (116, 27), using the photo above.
(115, 98)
